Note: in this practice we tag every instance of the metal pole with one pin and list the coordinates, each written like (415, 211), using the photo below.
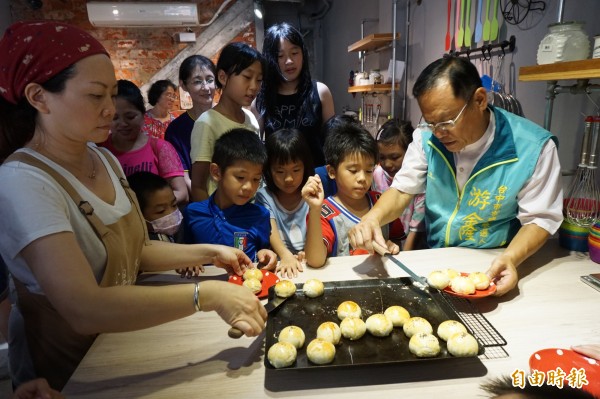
(361, 54)
(406, 38)
(393, 92)
(550, 96)
(561, 10)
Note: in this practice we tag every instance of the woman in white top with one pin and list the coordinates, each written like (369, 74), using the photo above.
(73, 237)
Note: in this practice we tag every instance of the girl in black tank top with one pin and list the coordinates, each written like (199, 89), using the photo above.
(289, 98)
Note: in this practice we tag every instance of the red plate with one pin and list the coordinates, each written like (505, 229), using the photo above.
(269, 280)
(549, 359)
(478, 293)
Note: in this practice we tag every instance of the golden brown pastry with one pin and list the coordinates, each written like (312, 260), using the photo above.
(451, 273)
(462, 344)
(253, 273)
(462, 285)
(353, 328)
(448, 328)
(424, 345)
(329, 331)
(416, 325)
(397, 315)
(438, 279)
(294, 335)
(313, 288)
(254, 285)
(285, 288)
(481, 280)
(379, 325)
(349, 309)
(320, 351)
(282, 354)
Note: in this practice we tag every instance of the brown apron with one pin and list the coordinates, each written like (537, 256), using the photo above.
(55, 348)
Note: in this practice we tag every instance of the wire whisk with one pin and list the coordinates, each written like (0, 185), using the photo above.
(583, 195)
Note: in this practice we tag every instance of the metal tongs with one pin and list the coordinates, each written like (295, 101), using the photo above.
(383, 251)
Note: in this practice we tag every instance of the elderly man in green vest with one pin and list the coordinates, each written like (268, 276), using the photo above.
(491, 178)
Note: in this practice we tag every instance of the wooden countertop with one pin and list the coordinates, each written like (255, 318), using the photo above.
(194, 357)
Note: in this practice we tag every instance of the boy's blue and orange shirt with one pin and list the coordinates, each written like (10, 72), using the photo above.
(246, 227)
(337, 220)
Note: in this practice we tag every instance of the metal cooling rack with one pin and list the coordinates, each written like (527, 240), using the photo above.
(483, 330)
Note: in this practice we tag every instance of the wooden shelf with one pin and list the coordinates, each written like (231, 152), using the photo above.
(583, 69)
(371, 42)
(372, 88)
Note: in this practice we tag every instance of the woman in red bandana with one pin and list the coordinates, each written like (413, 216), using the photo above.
(73, 236)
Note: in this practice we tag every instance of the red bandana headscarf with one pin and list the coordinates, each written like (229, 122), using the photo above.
(35, 51)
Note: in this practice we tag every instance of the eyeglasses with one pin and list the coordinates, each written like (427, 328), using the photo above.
(200, 82)
(447, 125)
(171, 96)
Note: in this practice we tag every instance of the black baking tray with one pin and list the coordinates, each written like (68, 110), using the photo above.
(373, 296)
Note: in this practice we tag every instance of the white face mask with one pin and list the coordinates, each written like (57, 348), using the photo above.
(168, 224)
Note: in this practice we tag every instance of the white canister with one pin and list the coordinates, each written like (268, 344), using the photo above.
(375, 77)
(565, 41)
(361, 79)
(596, 53)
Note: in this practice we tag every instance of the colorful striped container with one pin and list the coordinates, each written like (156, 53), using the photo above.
(573, 237)
(594, 242)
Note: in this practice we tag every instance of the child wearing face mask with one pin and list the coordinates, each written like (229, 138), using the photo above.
(158, 204)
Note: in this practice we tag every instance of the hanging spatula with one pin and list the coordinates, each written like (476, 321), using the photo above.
(487, 24)
(460, 36)
(494, 24)
(448, 38)
(468, 32)
(478, 23)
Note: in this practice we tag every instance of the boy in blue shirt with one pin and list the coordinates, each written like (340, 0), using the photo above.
(228, 217)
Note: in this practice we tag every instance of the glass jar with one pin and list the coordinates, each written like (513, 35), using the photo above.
(565, 41)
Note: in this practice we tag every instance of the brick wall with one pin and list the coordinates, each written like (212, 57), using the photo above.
(137, 53)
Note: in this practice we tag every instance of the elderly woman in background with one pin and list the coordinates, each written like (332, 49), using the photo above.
(73, 237)
(140, 153)
(197, 77)
(162, 96)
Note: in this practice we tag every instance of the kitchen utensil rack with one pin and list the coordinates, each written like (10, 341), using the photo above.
(483, 330)
(485, 51)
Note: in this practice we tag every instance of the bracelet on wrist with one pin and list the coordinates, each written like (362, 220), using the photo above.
(197, 297)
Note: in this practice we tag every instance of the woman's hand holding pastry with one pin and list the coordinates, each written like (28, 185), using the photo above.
(230, 258)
